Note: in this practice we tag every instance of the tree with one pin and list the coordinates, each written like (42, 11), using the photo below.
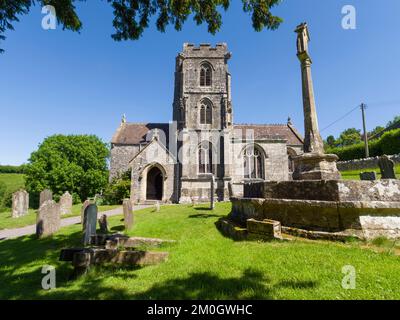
(131, 17)
(375, 131)
(331, 142)
(74, 163)
(395, 120)
(349, 137)
(119, 189)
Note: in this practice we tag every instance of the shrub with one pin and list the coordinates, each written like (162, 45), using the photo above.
(388, 144)
(12, 169)
(118, 189)
(3, 190)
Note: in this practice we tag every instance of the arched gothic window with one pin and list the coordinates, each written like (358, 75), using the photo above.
(253, 163)
(206, 158)
(206, 112)
(205, 75)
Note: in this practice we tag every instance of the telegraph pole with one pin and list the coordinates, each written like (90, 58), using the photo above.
(363, 107)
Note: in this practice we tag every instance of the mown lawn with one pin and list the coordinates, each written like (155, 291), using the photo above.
(6, 222)
(203, 264)
(355, 174)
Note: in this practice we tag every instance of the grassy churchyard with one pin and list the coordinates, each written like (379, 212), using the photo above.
(355, 174)
(203, 264)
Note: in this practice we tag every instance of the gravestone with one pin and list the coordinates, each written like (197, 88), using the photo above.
(45, 195)
(128, 214)
(48, 219)
(103, 224)
(387, 167)
(66, 203)
(20, 203)
(89, 223)
(84, 206)
(368, 176)
(157, 206)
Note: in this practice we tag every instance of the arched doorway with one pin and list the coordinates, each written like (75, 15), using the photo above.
(154, 189)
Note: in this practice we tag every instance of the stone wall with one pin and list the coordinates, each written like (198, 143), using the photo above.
(361, 164)
(120, 157)
(326, 190)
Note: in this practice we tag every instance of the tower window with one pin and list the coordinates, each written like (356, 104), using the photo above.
(206, 112)
(205, 75)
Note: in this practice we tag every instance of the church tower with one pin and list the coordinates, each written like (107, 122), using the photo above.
(202, 110)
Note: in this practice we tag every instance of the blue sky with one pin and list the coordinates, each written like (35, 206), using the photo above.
(58, 81)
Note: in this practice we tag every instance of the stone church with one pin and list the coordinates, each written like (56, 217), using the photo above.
(177, 161)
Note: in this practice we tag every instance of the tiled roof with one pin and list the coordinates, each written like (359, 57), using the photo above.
(272, 131)
(135, 133)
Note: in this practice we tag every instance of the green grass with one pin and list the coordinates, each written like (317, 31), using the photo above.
(202, 265)
(13, 181)
(6, 222)
(355, 174)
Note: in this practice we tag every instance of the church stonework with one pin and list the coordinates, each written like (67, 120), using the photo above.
(173, 162)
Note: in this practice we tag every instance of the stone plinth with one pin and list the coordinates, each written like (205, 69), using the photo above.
(316, 166)
(265, 229)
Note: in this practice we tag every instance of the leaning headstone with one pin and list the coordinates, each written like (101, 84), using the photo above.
(45, 195)
(368, 176)
(20, 203)
(66, 203)
(89, 223)
(387, 167)
(48, 219)
(128, 214)
(103, 224)
(84, 206)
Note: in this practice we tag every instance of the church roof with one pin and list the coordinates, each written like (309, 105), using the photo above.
(272, 131)
(136, 133)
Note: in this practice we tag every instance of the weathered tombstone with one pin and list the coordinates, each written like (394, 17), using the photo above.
(66, 203)
(84, 206)
(89, 223)
(128, 214)
(48, 219)
(45, 195)
(157, 206)
(20, 203)
(387, 167)
(103, 224)
(368, 176)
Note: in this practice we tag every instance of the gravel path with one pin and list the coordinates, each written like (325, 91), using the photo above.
(24, 231)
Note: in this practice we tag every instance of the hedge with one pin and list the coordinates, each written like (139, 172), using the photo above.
(12, 169)
(388, 144)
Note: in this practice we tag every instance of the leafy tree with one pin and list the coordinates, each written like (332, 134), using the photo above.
(331, 141)
(395, 120)
(131, 17)
(375, 131)
(349, 137)
(118, 189)
(74, 163)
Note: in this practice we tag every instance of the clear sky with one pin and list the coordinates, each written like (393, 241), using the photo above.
(58, 81)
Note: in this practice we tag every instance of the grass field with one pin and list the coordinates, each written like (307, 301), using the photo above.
(6, 222)
(202, 265)
(13, 181)
(355, 174)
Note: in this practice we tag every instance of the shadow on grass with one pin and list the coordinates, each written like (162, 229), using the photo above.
(203, 216)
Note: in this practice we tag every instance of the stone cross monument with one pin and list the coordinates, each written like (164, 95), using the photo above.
(314, 164)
